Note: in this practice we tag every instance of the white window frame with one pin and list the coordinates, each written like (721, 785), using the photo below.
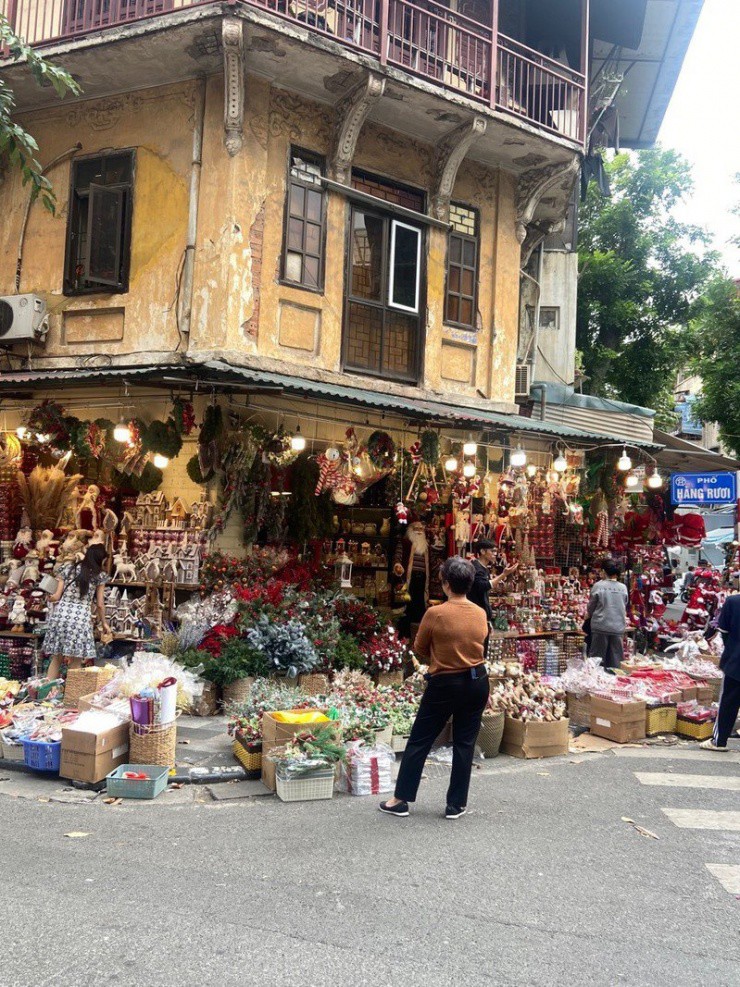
(396, 224)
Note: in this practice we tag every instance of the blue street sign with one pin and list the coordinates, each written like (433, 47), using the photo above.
(703, 489)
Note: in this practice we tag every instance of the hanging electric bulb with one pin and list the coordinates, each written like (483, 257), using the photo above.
(43, 437)
(298, 441)
(655, 481)
(560, 463)
(21, 431)
(631, 481)
(624, 462)
(122, 433)
(469, 470)
(531, 471)
(160, 461)
(451, 465)
(518, 457)
(470, 448)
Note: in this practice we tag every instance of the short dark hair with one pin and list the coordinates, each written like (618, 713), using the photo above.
(691, 568)
(610, 567)
(483, 545)
(458, 574)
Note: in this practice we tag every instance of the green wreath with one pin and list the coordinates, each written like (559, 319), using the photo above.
(381, 450)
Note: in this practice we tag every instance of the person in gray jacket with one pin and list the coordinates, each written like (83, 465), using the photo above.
(607, 610)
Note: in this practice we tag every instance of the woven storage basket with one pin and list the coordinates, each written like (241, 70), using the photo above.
(316, 785)
(237, 692)
(153, 745)
(390, 678)
(490, 734)
(249, 755)
(660, 719)
(83, 682)
(398, 743)
(579, 710)
(11, 751)
(314, 685)
(694, 731)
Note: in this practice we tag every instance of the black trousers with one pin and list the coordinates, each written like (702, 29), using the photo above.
(729, 707)
(463, 698)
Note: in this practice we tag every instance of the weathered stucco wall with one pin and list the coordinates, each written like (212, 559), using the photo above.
(239, 306)
(158, 125)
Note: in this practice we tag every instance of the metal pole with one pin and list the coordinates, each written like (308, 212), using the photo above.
(384, 16)
(585, 49)
(493, 81)
(189, 262)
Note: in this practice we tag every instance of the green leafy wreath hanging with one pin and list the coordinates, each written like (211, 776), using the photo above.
(381, 450)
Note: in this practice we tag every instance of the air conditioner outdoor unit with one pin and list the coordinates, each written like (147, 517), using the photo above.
(22, 317)
(523, 380)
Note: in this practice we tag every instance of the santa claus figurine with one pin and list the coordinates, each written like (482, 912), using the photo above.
(415, 562)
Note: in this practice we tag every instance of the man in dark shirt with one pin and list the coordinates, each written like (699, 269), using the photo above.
(729, 698)
(480, 591)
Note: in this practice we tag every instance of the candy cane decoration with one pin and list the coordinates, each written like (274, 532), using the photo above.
(328, 473)
(602, 529)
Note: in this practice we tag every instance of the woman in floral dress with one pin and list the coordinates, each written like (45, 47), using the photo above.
(69, 633)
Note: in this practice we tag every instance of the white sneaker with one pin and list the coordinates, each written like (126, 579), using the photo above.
(709, 745)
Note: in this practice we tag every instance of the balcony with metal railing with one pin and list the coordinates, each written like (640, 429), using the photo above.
(424, 38)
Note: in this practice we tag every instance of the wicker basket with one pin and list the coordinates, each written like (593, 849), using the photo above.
(694, 731)
(84, 681)
(490, 734)
(314, 684)
(249, 755)
(316, 785)
(579, 710)
(153, 745)
(390, 678)
(237, 692)
(660, 719)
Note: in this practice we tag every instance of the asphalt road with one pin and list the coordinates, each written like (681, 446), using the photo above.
(541, 883)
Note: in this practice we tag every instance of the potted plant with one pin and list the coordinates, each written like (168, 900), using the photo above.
(247, 747)
(385, 657)
(285, 648)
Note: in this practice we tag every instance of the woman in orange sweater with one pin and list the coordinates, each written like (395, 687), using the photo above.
(451, 640)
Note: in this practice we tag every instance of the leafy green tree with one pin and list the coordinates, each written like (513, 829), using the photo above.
(717, 337)
(17, 146)
(640, 274)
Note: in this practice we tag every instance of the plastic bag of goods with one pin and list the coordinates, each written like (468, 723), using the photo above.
(367, 770)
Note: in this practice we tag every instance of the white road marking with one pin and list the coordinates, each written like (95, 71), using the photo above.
(728, 876)
(679, 754)
(720, 782)
(704, 819)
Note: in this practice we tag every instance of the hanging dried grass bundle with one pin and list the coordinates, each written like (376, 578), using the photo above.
(46, 494)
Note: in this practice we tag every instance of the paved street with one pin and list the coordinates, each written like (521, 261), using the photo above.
(543, 881)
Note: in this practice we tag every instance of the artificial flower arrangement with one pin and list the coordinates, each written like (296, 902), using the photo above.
(309, 751)
(386, 652)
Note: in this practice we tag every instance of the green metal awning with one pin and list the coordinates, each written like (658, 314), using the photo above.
(221, 375)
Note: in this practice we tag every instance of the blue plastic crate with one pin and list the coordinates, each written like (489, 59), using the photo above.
(130, 788)
(42, 756)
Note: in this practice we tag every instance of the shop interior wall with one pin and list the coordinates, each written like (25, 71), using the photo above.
(157, 123)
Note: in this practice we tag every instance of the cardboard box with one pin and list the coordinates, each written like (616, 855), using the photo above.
(620, 722)
(579, 709)
(688, 694)
(535, 738)
(89, 756)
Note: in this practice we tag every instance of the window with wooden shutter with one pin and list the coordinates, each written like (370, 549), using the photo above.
(305, 222)
(99, 224)
(461, 295)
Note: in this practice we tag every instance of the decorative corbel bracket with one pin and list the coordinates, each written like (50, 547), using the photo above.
(536, 233)
(447, 160)
(533, 185)
(352, 111)
(233, 45)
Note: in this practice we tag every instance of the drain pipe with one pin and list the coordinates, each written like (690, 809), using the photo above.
(21, 239)
(188, 267)
(537, 282)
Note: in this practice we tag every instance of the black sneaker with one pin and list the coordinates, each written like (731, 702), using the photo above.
(454, 812)
(399, 809)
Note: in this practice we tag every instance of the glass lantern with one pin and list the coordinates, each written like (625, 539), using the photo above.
(343, 571)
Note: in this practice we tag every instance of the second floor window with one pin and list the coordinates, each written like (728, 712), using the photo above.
(461, 296)
(305, 218)
(99, 224)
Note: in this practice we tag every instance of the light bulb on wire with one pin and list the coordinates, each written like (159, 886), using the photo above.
(298, 441)
(631, 481)
(451, 465)
(531, 471)
(21, 431)
(43, 438)
(469, 470)
(655, 481)
(470, 448)
(518, 457)
(122, 433)
(624, 462)
(560, 463)
(160, 461)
